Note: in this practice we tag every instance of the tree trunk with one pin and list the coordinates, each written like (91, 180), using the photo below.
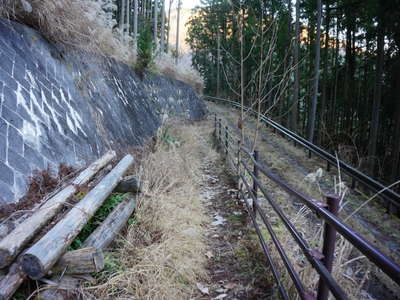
(395, 174)
(162, 42)
(316, 78)
(218, 62)
(169, 23)
(295, 97)
(373, 137)
(177, 31)
(135, 22)
(81, 261)
(38, 259)
(112, 225)
(12, 244)
(325, 81)
(155, 22)
(122, 16)
(128, 15)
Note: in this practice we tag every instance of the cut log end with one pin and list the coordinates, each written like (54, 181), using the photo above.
(128, 185)
(32, 266)
(5, 258)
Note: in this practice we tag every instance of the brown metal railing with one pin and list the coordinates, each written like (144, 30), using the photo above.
(322, 261)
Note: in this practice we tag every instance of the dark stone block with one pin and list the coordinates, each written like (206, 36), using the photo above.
(38, 113)
(6, 48)
(3, 127)
(26, 115)
(6, 64)
(10, 98)
(26, 97)
(19, 75)
(11, 117)
(50, 69)
(3, 148)
(34, 157)
(9, 81)
(18, 162)
(15, 140)
(49, 153)
(21, 185)
(36, 95)
(46, 95)
(6, 194)
(6, 174)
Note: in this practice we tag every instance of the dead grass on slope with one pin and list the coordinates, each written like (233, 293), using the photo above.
(77, 23)
(162, 254)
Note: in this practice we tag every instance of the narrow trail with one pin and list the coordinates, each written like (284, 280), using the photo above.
(235, 263)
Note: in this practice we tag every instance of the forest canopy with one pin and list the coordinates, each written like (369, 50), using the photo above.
(327, 70)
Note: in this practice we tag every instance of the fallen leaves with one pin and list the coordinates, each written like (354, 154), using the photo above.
(218, 221)
(203, 289)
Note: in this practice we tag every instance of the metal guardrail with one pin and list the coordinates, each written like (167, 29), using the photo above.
(389, 195)
(322, 262)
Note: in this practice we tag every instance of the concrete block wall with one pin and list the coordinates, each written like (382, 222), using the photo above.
(67, 106)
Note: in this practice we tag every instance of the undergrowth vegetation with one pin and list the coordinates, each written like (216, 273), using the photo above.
(100, 215)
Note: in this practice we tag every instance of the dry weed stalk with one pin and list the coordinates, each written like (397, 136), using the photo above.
(162, 255)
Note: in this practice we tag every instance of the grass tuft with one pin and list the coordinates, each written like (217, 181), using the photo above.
(162, 255)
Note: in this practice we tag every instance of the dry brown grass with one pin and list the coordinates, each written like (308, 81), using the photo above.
(183, 71)
(78, 23)
(162, 254)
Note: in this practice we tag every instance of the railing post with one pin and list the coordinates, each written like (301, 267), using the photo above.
(309, 153)
(238, 169)
(328, 249)
(226, 140)
(255, 186)
(238, 160)
(328, 166)
(353, 183)
(219, 130)
(215, 124)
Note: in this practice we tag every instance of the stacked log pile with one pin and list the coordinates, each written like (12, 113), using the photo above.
(48, 255)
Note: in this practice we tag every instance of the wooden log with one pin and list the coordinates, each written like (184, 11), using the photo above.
(112, 225)
(38, 259)
(10, 283)
(128, 185)
(12, 244)
(64, 288)
(81, 261)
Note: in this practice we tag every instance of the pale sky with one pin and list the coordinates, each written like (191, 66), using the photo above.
(190, 3)
(185, 3)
